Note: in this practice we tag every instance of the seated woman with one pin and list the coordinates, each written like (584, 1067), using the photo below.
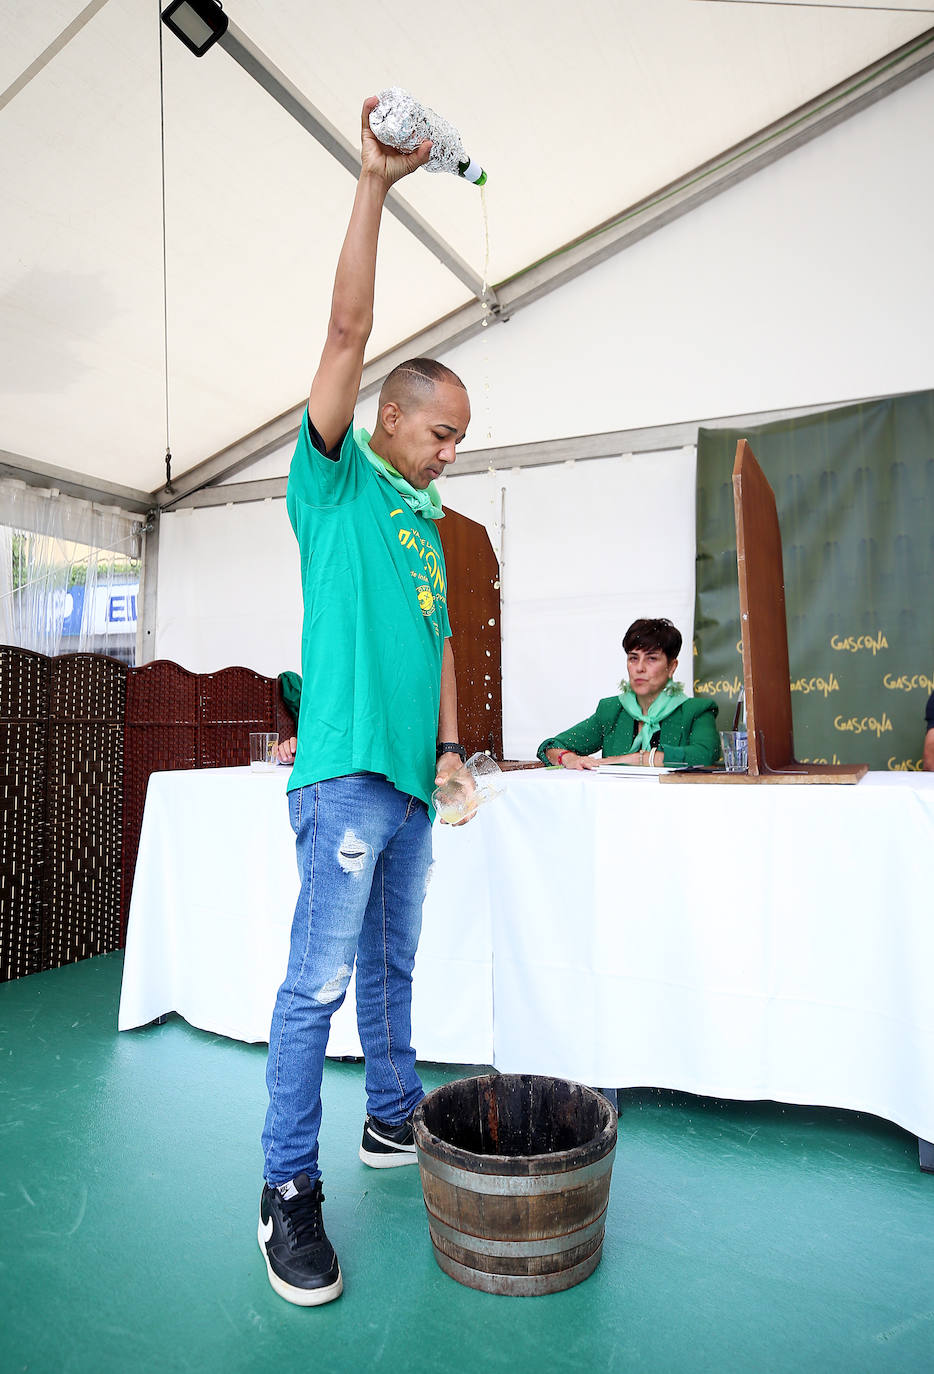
(651, 722)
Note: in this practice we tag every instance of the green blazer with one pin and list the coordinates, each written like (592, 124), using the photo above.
(688, 735)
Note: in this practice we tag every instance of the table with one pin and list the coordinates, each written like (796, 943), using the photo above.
(742, 942)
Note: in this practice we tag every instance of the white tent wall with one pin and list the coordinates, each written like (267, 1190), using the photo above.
(807, 284)
(229, 589)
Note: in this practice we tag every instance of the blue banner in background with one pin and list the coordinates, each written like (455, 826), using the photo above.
(121, 610)
(111, 611)
(74, 610)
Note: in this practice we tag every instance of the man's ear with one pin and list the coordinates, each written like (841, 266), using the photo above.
(389, 416)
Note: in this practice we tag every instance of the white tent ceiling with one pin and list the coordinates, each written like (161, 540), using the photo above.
(578, 112)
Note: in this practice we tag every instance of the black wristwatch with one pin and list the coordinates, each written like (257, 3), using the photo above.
(447, 747)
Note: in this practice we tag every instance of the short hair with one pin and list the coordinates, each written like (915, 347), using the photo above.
(653, 634)
(412, 382)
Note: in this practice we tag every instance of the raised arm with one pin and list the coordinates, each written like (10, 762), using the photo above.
(337, 381)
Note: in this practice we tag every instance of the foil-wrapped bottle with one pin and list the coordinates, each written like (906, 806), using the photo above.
(401, 122)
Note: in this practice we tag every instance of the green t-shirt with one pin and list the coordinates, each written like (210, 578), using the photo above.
(375, 592)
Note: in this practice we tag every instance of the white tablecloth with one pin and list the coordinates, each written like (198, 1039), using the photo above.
(213, 896)
(746, 942)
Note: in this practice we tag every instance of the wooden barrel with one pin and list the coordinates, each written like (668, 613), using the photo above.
(515, 1171)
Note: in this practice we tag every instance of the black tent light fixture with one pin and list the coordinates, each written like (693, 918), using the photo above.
(198, 23)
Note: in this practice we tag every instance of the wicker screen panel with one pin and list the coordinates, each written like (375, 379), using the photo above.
(84, 812)
(87, 687)
(24, 709)
(24, 684)
(162, 693)
(161, 733)
(234, 702)
(79, 736)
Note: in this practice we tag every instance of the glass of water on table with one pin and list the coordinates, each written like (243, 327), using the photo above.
(264, 751)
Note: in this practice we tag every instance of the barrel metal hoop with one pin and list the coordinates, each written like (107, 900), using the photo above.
(517, 1185)
(519, 1285)
(516, 1249)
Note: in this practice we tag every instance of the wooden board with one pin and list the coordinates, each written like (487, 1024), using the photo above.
(810, 773)
(764, 627)
(474, 610)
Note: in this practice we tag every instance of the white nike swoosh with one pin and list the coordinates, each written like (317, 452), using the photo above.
(265, 1230)
(383, 1140)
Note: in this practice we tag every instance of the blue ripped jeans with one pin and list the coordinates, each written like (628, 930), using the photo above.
(364, 851)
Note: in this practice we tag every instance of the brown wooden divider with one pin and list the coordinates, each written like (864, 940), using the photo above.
(83, 806)
(79, 736)
(474, 612)
(61, 737)
(24, 716)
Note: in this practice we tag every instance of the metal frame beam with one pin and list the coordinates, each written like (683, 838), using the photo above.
(282, 431)
(47, 54)
(577, 448)
(36, 474)
(233, 494)
(754, 154)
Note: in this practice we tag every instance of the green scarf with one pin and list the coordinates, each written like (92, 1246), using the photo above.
(426, 503)
(668, 700)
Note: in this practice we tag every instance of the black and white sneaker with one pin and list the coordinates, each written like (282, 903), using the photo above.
(386, 1147)
(300, 1260)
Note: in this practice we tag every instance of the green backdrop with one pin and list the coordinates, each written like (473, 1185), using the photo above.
(855, 494)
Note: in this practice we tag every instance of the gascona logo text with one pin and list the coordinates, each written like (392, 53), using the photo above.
(806, 685)
(854, 644)
(916, 682)
(859, 725)
(726, 687)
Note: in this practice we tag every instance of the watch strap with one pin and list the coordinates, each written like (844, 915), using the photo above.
(451, 747)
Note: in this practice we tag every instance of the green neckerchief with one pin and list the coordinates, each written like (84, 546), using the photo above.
(426, 503)
(668, 700)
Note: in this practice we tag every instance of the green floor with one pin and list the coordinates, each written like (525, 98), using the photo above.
(740, 1236)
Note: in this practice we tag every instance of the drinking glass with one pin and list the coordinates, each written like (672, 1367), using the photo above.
(478, 780)
(735, 746)
(263, 751)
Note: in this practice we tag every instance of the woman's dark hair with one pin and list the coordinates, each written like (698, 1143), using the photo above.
(653, 634)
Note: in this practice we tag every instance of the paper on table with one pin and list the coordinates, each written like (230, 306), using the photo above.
(633, 770)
